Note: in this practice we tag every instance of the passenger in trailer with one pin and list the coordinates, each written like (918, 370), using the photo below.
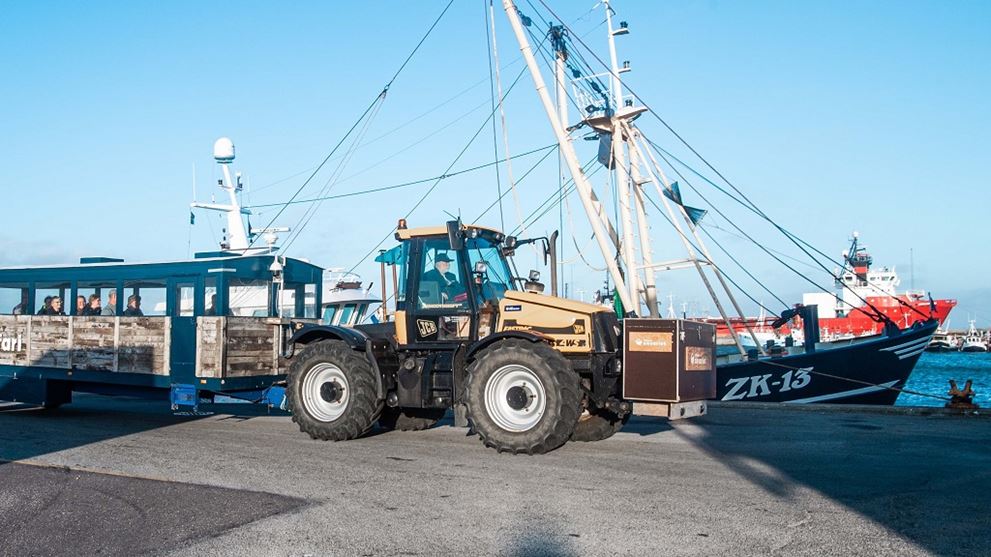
(133, 306)
(212, 310)
(111, 308)
(53, 307)
(46, 307)
(19, 308)
(80, 305)
(93, 308)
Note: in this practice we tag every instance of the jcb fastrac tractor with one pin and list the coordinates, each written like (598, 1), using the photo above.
(525, 370)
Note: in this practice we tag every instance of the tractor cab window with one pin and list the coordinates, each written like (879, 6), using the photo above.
(443, 310)
(490, 271)
(441, 285)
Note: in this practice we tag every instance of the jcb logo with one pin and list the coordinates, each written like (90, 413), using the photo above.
(427, 328)
(579, 328)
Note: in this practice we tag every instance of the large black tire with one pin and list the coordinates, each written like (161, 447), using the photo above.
(332, 392)
(522, 397)
(597, 424)
(410, 419)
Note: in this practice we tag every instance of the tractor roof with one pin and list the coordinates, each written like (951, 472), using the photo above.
(441, 230)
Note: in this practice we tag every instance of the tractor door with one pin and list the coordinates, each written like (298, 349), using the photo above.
(439, 307)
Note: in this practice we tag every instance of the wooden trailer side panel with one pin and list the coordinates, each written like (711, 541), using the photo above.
(228, 347)
(124, 344)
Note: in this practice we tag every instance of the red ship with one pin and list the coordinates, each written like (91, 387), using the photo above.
(853, 311)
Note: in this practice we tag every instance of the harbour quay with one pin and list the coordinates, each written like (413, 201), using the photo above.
(123, 477)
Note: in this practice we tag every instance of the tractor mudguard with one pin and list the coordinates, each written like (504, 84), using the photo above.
(531, 336)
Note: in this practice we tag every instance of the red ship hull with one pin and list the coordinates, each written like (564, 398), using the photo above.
(859, 321)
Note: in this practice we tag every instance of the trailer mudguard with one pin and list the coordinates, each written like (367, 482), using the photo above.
(308, 333)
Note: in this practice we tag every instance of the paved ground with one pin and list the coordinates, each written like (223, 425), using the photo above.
(736, 482)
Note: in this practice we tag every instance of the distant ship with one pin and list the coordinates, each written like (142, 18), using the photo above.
(853, 311)
(974, 341)
(943, 341)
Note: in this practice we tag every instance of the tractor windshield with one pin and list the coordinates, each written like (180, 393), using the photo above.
(489, 268)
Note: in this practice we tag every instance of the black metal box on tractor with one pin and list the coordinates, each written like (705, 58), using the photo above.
(669, 365)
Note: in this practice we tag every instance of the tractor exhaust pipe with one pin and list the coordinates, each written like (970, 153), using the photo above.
(552, 253)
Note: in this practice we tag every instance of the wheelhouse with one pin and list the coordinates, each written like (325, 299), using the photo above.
(215, 324)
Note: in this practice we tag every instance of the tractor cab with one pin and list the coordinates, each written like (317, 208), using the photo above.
(451, 282)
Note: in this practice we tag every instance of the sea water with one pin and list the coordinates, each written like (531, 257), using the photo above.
(934, 370)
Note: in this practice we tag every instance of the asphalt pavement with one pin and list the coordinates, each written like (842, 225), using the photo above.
(123, 477)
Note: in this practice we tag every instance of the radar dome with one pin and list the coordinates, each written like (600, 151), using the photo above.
(223, 150)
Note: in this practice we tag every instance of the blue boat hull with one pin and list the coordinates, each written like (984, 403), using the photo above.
(867, 371)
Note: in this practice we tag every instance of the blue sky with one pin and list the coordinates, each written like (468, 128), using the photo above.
(833, 117)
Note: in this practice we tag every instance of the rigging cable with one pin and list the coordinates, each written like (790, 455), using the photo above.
(379, 98)
(495, 135)
(522, 177)
(455, 161)
(502, 118)
(881, 316)
(785, 231)
(411, 183)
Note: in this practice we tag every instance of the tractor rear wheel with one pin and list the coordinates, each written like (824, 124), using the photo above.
(410, 419)
(597, 424)
(522, 397)
(332, 392)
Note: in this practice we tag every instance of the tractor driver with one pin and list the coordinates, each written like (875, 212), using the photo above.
(447, 282)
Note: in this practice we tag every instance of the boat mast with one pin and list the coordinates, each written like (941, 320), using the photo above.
(237, 236)
(560, 59)
(621, 172)
(570, 157)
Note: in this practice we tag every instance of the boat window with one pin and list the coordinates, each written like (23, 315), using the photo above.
(310, 301)
(210, 296)
(328, 315)
(184, 299)
(362, 308)
(144, 298)
(248, 298)
(346, 314)
(14, 300)
(46, 293)
(287, 302)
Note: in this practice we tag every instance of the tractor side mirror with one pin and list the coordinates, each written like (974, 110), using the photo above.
(455, 238)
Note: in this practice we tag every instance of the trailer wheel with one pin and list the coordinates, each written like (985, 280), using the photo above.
(597, 424)
(522, 397)
(410, 419)
(331, 392)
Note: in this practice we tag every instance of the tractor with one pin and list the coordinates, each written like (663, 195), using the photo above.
(526, 371)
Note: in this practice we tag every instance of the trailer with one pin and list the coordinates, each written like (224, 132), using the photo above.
(181, 331)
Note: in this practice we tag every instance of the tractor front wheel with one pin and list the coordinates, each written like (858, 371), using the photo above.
(522, 397)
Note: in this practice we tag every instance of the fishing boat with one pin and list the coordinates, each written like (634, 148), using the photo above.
(974, 341)
(861, 364)
(943, 341)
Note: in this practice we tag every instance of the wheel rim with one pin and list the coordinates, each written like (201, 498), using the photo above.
(515, 398)
(326, 392)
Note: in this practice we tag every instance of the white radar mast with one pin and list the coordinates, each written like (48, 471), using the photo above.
(237, 236)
